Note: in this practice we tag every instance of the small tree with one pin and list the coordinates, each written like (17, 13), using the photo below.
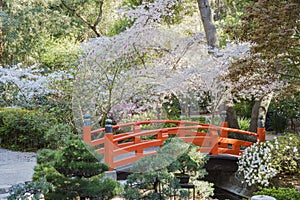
(74, 171)
(154, 176)
(191, 163)
(154, 182)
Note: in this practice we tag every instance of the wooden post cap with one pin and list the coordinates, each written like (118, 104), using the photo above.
(108, 126)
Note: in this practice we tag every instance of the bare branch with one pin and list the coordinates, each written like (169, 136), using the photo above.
(93, 27)
(99, 18)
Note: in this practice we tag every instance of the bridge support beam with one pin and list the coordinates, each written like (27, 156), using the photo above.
(222, 173)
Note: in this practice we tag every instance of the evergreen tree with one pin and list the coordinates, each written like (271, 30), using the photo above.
(74, 171)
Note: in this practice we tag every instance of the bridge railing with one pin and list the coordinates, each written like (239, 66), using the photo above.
(123, 148)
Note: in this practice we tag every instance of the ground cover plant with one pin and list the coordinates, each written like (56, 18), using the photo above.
(280, 193)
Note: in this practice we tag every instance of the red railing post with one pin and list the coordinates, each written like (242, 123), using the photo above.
(224, 133)
(137, 139)
(109, 145)
(214, 142)
(261, 130)
(87, 136)
(162, 135)
(180, 132)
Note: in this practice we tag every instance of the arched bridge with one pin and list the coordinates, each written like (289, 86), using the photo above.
(126, 143)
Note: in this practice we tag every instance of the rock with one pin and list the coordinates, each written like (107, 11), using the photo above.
(262, 197)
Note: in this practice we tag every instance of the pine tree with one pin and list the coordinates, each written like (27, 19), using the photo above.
(74, 171)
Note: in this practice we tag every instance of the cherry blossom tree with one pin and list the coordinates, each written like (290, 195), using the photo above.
(137, 68)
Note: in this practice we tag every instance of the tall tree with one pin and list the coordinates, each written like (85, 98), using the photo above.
(213, 42)
(208, 24)
(271, 27)
(31, 28)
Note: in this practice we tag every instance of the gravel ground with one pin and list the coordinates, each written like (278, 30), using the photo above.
(15, 167)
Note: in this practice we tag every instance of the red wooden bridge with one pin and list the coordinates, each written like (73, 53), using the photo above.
(137, 138)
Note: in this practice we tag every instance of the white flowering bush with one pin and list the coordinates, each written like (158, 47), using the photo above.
(21, 85)
(261, 162)
(255, 164)
(31, 87)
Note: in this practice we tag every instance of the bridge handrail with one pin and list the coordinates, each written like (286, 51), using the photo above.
(147, 122)
(216, 136)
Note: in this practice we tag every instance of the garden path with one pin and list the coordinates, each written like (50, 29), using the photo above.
(15, 167)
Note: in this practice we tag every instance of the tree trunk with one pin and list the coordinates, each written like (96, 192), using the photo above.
(254, 116)
(231, 117)
(260, 108)
(209, 27)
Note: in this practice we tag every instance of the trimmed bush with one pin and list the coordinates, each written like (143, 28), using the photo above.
(155, 176)
(22, 129)
(280, 193)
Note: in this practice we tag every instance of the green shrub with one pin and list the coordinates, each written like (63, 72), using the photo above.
(57, 136)
(153, 185)
(244, 108)
(280, 193)
(189, 161)
(46, 156)
(278, 122)
(22, 129)
(155, 178)
(244, 123)
(31, 190)
(286, 159)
